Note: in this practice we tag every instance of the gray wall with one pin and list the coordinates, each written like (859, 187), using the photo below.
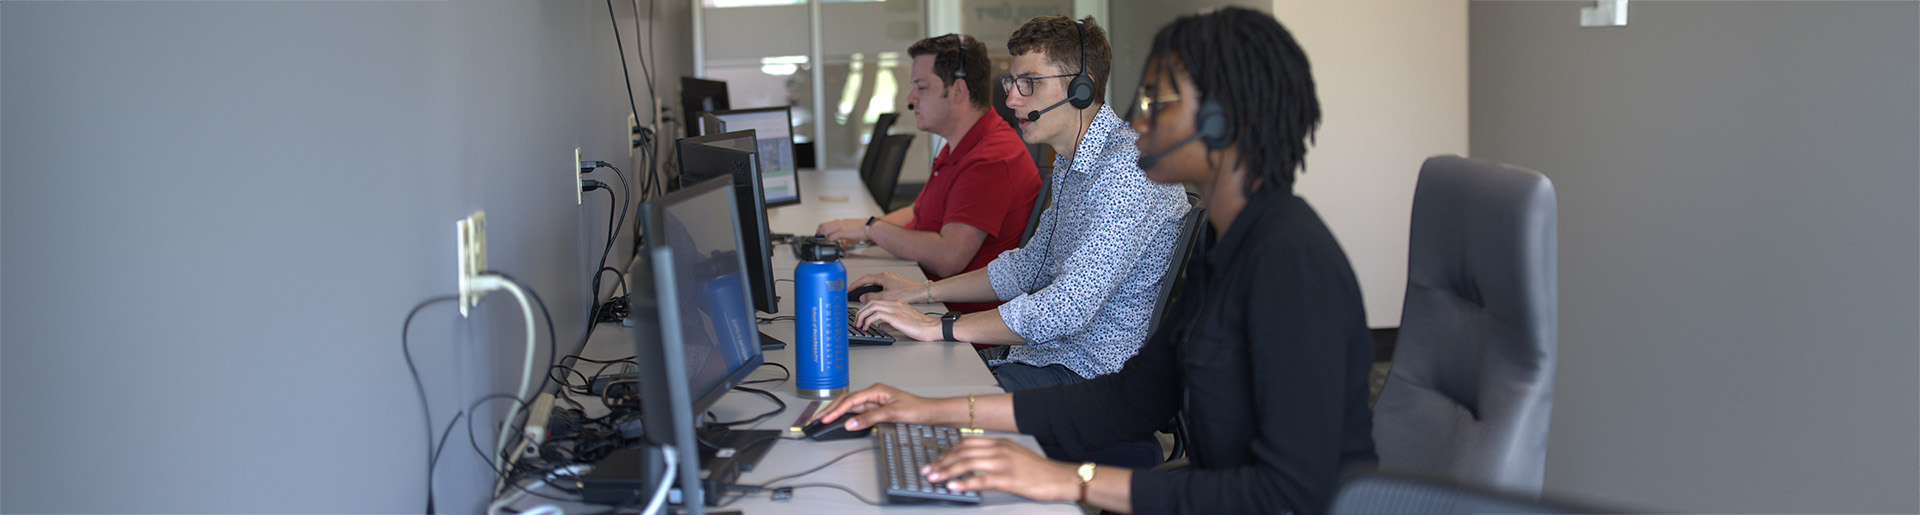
(217, 214)
(1738, 237)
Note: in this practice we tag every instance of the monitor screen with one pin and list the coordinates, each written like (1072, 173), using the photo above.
(699, 96)
(697, 232)
(774, 127)
(693, 328)
(733, 154)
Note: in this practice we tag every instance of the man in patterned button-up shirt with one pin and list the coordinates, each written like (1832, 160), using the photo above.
(1079, 294)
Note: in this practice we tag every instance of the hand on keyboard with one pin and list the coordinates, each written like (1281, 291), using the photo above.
(981, 463)
(900, 317)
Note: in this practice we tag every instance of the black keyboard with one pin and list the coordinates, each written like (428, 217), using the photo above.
(871, 336)
(902, 449)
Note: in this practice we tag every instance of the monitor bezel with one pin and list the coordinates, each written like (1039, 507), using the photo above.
(661, 356)
(797, 194)
(750, 199)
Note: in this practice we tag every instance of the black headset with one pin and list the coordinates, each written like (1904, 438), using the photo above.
(1212, 125)
(1080, 91)
(959, 57)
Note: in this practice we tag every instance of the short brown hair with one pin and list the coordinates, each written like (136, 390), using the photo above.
(962, 53)
(1057, 36)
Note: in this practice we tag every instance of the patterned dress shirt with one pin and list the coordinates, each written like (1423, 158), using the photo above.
(1082, 289)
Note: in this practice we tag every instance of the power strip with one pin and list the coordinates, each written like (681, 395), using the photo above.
(536, 429)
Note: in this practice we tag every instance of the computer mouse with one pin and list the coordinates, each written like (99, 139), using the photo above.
(826, 431)
(854, 296)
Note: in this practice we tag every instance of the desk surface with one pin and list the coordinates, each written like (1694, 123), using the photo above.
(934, 369)
(826, 195)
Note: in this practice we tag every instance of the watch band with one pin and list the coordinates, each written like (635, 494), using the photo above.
(946, 324)
(871, 220)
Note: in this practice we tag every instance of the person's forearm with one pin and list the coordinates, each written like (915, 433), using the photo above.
(972, 286)
(943, 255)
(991, 412)
(985, 328)
(901, 217)
(1111, 489)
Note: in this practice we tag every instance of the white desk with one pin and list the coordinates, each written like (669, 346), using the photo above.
(825, 195)
(933, 369)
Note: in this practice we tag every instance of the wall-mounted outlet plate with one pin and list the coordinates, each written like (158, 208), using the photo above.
(633, 133)
(579, 194)
(472, 250)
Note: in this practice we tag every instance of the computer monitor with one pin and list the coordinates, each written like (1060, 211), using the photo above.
(693, 333)
(699, 96)
(774, 127)
(734, 154)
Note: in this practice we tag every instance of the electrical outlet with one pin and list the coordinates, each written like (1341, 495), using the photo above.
(472, 250)
(579, 194)
(633, 133)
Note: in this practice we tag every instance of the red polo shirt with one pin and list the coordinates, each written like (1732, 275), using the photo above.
(986, 181)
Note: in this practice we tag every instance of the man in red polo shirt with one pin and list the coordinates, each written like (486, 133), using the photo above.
(975, 204)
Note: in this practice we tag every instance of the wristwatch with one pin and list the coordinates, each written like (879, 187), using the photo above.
(1086, 479)
(871, 220)
(946, 324)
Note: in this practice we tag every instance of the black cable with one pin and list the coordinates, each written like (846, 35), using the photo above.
(770, 483)
(471, 439)
(622, 290)
(763, 416)
(783, 368)
(849, 491)
(433, 456)
(613, 225)
(645, 71)
(622, 47)
(421, 388)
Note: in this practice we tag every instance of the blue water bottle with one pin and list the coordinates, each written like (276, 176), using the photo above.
(820, 285)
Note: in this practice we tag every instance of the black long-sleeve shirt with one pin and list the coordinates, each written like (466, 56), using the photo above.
(1268, 351)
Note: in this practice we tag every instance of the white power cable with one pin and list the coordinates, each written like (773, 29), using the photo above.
(666, 479)
(491, 282)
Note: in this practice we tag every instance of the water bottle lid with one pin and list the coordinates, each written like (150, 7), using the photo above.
(817, 249)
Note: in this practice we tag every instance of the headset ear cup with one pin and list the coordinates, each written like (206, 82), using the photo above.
(1216, 131)
(1080, 92)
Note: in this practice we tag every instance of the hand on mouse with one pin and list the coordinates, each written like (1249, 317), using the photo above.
(882, 403)
(893, 287)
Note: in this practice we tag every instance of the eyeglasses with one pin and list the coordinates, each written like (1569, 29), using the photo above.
(1148, 106)
(1025, 84)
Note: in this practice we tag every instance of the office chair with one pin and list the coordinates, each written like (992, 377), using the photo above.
(1040, 203)
(872, 156)
(1385, 494)
(886, 169)
(1170, 283)
(1471, 385)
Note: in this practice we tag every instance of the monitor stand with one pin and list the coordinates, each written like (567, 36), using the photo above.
(725, 453)
(768, 343)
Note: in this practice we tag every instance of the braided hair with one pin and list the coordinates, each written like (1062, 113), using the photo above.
(1244, 60)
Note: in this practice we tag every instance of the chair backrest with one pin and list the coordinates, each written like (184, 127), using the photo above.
(1040, 203)
(880, 127)
(1471, 385)
(886, 169)
(1373, 494)
(1176, 273)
